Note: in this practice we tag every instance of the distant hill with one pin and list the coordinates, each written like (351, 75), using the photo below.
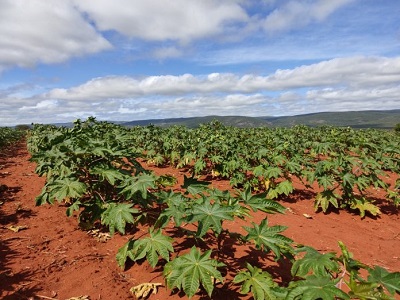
(357, 119)
(385, 119)
(236, 121)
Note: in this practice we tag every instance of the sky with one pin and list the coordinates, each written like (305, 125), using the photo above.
(126, 60)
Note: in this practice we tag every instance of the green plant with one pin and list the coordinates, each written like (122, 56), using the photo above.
(94, 169)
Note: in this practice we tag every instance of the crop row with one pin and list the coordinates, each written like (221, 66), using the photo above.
(94, 168)
(344, 163)
(9, 136)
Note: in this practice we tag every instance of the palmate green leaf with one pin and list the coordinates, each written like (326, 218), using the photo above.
(110, 175)
(73, 207)
(176, 210)
(273, 172)
(123, 253)
(268, 238)
(66, 188)
(284, 187)
(117, 215)
(260, 283)
(324, 199)
(194, 186)
(190, 270)
(349, 180)
(210, 216)
(152, 247)
(44, 197)
(390, 281)
(367, 291)
(316, 287)
(260, 202)
(327, 181)
(315, 263)
(141, 183)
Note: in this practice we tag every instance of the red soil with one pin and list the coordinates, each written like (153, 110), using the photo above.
(53, 259)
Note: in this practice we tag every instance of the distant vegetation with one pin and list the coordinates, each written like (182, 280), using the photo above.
(386, 119)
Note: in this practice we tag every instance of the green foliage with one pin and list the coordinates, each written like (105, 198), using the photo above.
(385, 280)
(133, 185)
(117, 215)
(363, 205)
(315, 263)
(268, 238)
(187, 272)
(210, 216)
(259, 283)
(124, 252)
(397, 128)
(260, 202)
(316, 287)
(151, 247)
(325, 199)
(9, 136)
(94, 168)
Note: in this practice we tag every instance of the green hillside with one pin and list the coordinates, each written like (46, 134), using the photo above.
(385, 119)
(356, 119)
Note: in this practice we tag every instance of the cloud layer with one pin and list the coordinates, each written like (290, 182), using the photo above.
(126, 60)
(52, 31)
(356, 83)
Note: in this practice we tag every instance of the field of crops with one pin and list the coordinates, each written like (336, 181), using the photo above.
(9, 136)
(96, 170)
(100, 173)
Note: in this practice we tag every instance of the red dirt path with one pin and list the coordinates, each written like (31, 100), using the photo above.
(53, 259)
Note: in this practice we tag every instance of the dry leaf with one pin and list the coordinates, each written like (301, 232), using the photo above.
(307, 216)
(141, 291)
(79, 298)
(99, 236)
(17, 228)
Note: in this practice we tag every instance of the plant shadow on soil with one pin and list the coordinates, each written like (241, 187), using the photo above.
(229, 253)
(15, 285)
(20, 212)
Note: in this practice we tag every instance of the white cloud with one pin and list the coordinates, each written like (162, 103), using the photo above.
(166, 52)
(158, 20)
(353, 72)
(42, 105)
(298, 13)
(50, 31)
(354, 83)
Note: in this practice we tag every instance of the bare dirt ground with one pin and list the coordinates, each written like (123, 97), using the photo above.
(51, 258)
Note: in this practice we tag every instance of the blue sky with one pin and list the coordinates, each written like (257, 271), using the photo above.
(144, 59)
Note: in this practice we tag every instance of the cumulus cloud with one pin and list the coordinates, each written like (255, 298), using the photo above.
(156, 20)
(50, 31)
(300, 13)
(353, 72)
(354, 83)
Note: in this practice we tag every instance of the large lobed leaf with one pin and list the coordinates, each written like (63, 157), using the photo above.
(141, 183)
(117, 215)
(260, 202)
(66, 188)
(390, 281)
(268, 238)
(316, 287)
(315, 263)
(260, 283)
(210, 216)
(152, 247)
(191, 270)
